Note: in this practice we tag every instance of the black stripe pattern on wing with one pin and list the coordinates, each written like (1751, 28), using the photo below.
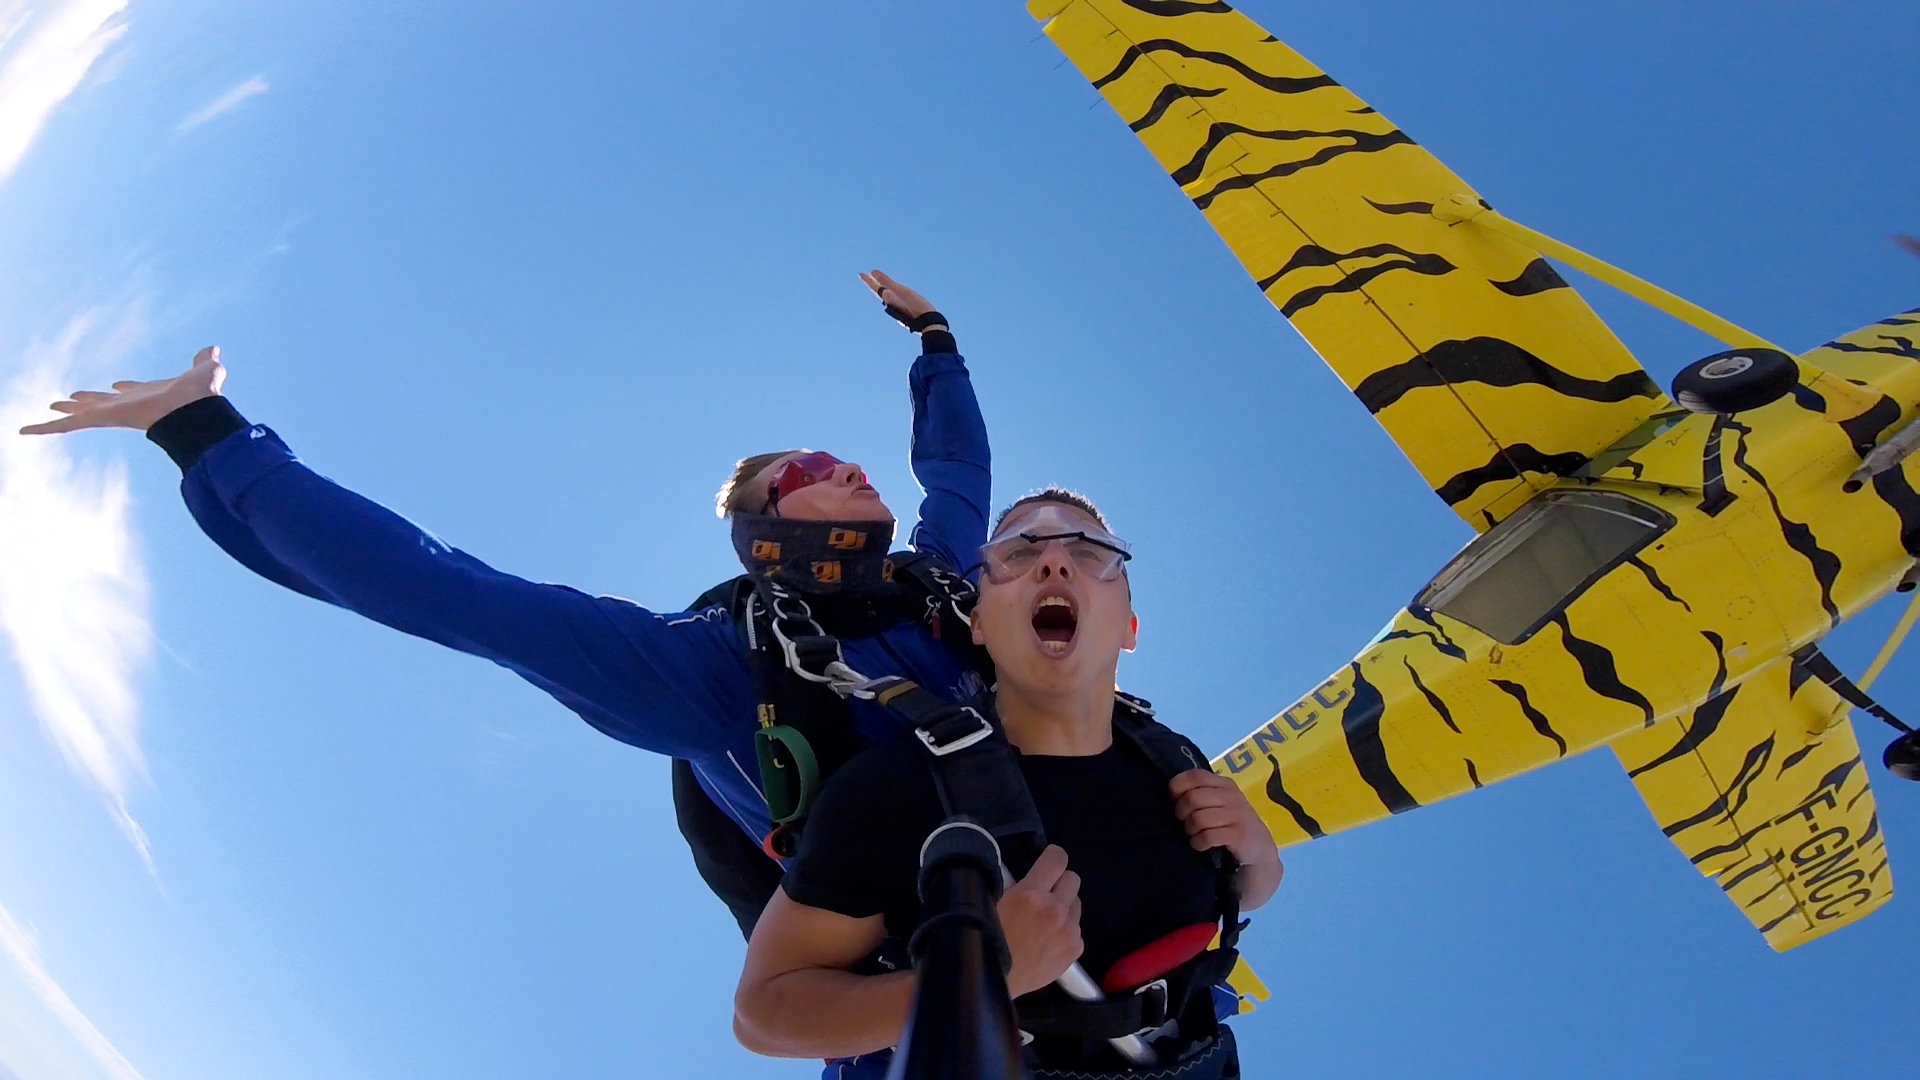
(1653, 579)
(1816, 663)
(1705, 720)
(1864, 430)
(1164, 101)
(1433, 699)
(1351, 281)
(1168, 9)
(1723, 804)
(1361, 722)
(1826, 565)
(1736, 844)
(1279, 84)
(1278, 795)
(1473, 774)
(1894, 490)
(1598, 669)
(1797, 756)
(1443, 642)
(1734, 882)
(1782, 917)
(1714, 495)
(1796, 678)
(1534, 716)
(1896, 346)
(1401, 208)
(1538, 277)
(1438, 636)
(1357, 142)
(1494, 362)
(1808, 398)
(1836, 777)
(1507, 464)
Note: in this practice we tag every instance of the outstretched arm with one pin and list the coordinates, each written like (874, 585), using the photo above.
(950, 454)
(654, 682)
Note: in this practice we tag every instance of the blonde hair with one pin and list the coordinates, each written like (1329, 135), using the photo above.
(737, 495)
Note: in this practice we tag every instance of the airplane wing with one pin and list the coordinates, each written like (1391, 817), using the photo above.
(1763, 789)
(1490, 373)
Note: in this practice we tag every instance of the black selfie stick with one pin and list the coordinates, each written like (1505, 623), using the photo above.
(961, 1026)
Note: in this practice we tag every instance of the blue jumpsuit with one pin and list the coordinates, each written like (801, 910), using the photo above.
(675, 683)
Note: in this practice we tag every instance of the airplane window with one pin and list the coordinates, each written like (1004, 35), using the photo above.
(1511, 580)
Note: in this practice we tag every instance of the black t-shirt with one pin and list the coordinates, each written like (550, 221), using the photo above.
(1140, 876)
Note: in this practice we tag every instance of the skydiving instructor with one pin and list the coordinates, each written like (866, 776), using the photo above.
(675, 682)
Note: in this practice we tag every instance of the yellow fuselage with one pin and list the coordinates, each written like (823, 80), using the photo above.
(1734, 585)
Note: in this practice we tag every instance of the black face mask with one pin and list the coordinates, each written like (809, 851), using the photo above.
(816, 557)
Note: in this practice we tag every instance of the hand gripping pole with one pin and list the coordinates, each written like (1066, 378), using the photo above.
(962, 1025)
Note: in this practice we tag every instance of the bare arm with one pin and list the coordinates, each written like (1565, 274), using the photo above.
(796, 998)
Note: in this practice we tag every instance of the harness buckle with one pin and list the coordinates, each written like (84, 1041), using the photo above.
(1158, 999)
(941, 748)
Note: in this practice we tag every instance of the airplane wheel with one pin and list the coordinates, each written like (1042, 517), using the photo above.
(1735, 381)
(1902, 758)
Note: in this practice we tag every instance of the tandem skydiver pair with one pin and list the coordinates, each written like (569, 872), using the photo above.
(711, 686)
(1165, 854)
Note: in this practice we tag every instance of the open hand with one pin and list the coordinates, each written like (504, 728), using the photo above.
(1040, 916)
(901, 302)
(136, 405)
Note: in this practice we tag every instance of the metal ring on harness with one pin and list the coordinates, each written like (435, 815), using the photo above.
(812, 654)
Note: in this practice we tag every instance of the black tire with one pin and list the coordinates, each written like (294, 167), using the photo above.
(1902, 758)
(1735, 381)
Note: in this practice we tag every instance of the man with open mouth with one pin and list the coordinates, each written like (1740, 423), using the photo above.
(1141, 855)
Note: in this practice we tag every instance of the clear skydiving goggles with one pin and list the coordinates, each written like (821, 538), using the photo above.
(1093, 550)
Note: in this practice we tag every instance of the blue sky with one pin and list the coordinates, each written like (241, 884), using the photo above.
(534, 274)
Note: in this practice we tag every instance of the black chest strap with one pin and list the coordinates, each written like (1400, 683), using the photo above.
(1173, 753)
(977, 775)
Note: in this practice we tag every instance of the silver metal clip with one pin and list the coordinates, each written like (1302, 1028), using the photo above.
(943, 749)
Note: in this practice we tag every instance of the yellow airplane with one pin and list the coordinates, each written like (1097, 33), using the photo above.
(1651, 573)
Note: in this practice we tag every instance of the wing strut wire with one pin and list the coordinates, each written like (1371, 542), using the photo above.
(1816, 665)
(1461, 208)
(1845, 399)
(1893, 643)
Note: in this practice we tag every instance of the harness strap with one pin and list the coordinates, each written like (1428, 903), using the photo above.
(976, 774)
(1169, 996)
(1054, 1013)
(1173, 753)
(801, 681)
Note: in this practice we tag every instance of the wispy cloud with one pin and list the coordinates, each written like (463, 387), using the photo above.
(45, 50)
(225, 103)
(73, 591)
(73, 594)
(18, 945)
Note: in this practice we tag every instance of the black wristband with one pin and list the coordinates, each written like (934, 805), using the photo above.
(937, 341)
(191, 430)
(919, 323)
(915, 323)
